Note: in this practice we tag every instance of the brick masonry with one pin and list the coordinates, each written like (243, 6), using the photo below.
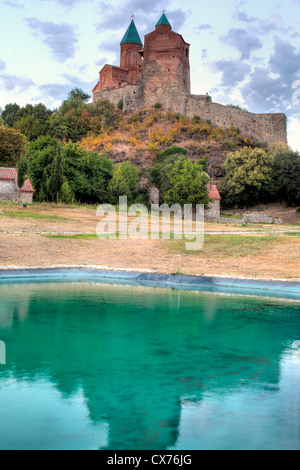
(164, 77)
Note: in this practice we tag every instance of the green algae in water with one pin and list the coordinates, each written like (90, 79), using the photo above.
(95, 366)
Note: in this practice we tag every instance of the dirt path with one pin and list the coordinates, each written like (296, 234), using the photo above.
(276, 256)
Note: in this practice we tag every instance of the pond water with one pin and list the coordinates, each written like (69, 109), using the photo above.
(103, 366)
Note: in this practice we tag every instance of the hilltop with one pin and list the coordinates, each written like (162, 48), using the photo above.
(138, 138)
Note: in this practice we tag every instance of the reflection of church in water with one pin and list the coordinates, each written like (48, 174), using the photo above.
(170, 352)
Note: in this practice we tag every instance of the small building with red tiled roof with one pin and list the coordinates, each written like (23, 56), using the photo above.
(9, 190)
(214, 206)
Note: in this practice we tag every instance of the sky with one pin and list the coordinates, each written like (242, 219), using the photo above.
(243, 52)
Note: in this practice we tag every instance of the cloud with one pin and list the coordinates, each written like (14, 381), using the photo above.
(146, 15)
(243, 41)
(273, 23)
(14, 5)
(233, 71)
(60, 91)
(202, 27)
(285, 60)
(2, 65)
(68, 3)
(243, 16)
(13, 82)
(60, 38)
(272, 87)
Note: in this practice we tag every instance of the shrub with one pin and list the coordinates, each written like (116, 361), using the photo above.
(12, 146)
(120, 105)
(174, 150)
(249, 177)
(66, 194)
(124, 182)
(287, 175)
(188, 184)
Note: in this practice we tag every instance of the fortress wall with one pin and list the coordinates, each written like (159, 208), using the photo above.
(130, 94)
(266, 128)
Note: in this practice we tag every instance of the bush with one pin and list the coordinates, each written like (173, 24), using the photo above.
(120, 105)
(12, 146)
(249, 177)
(188, 184)
(124, 182)
(87, 174)
(66, 194)
(287, 175)
(174, 150)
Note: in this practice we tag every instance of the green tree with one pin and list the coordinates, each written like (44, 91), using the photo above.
(41, 155)
(66, 194)
(29, 126)
(287, 175)
(57, 176)
(9, 113)
(75, 119)
(12, 146)
(169, 152)
(124, 182)
(43, 194)
(249, 177)
(188, 184)
(159, 175)
(88, 175)
(78, 94)
(32, 121)
(22, 174)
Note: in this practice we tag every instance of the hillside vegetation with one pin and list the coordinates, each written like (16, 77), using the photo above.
(90, 153)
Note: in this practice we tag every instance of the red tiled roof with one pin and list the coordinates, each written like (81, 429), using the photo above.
(213, 192)
(11, 174)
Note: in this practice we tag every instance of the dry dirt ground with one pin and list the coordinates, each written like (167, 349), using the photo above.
(25, 240)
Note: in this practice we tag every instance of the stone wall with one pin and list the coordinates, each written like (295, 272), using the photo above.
(213, 210)
(8, 191)
(266, 128)
(261, 219)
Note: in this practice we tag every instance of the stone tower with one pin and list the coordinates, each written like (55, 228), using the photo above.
(131, 60)
(166, 65)
(111, 76)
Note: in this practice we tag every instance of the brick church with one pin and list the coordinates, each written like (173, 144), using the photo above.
(159, 72)
(163, 47)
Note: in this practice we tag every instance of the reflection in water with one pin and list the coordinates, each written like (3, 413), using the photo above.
(116, 367)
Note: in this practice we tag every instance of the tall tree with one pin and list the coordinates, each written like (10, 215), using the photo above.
(12, 146)
(57, 177)
(78, 94)
(9, 114)
(22, 174)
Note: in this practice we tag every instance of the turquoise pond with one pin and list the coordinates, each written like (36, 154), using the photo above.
(106, 366)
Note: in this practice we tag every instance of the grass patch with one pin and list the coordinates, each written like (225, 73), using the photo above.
(80, 236)
(33, 215)
(292, 234)
(230, 245)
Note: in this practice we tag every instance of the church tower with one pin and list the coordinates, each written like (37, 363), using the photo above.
(131, 60)
(169, 51)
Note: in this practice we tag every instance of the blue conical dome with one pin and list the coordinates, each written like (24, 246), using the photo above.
(131, 35)
(163, 20)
